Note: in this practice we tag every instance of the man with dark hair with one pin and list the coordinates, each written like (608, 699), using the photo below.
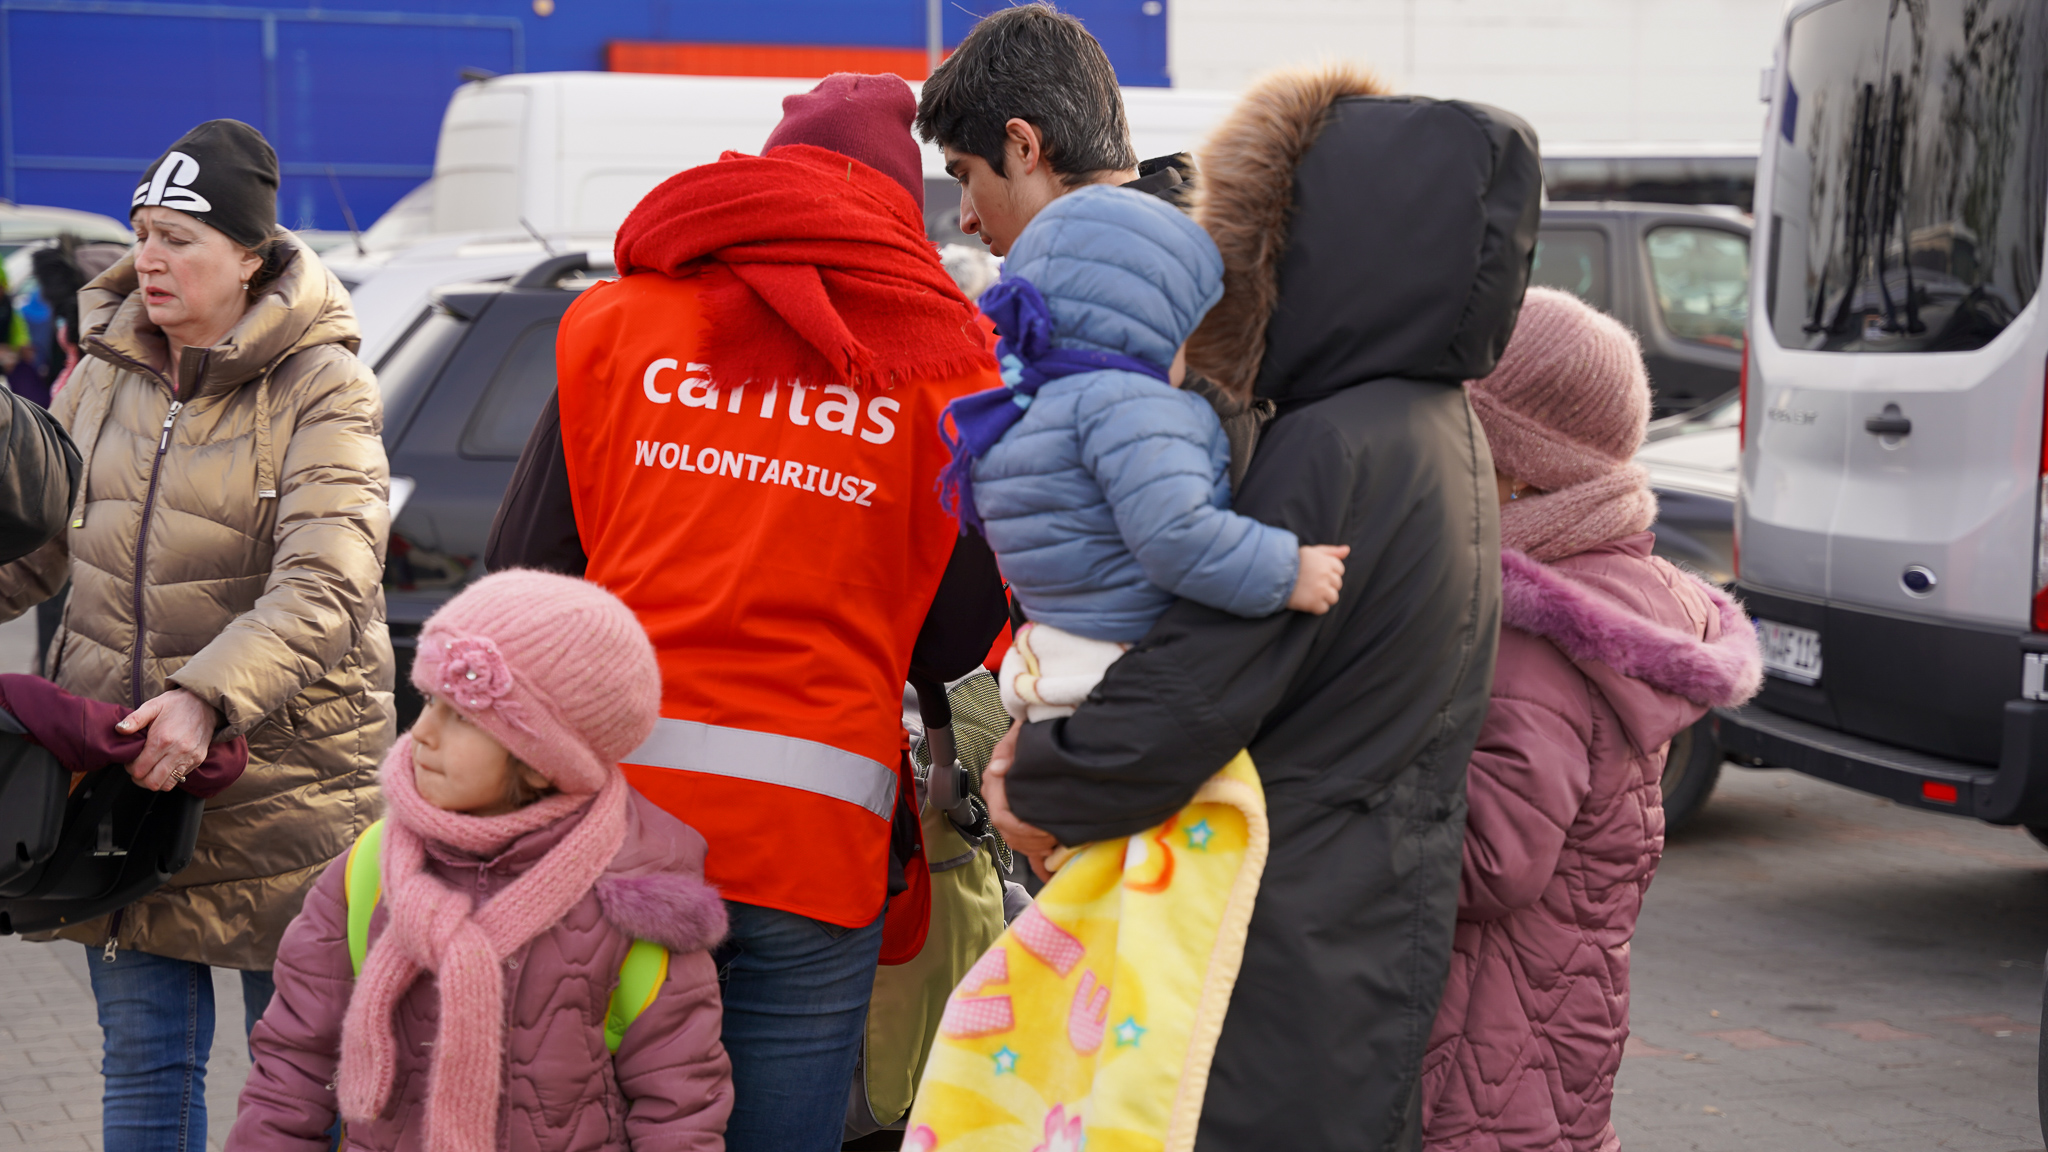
(1027, 109)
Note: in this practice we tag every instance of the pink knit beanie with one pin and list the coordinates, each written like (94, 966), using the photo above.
(555, 668)
(1570, 400)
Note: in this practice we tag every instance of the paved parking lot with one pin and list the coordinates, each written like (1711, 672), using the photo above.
(1816, 970)
(1819, 970)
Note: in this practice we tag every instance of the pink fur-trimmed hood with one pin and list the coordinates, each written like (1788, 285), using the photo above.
(655, 889)
(680, 913)
(1625, 616)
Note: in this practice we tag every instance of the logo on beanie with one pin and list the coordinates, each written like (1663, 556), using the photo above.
(170, 186)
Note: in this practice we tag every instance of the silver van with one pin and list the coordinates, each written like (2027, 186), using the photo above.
(1894, 481)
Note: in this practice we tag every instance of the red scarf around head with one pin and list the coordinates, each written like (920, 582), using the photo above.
(831, 279)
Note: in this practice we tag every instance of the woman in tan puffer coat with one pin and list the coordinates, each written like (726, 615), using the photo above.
(225, 553)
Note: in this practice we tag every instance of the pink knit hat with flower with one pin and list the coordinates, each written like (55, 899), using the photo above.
(560, 673)
(1569, 400)
(557, 669)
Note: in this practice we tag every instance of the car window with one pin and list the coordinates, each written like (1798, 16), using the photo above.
(1701, 276)
(405, 372)
(1910, 173)
(1574, 260)
(517, 393)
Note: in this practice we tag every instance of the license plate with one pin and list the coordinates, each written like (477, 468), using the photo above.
(1791, 653)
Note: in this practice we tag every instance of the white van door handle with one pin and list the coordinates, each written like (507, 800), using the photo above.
(1891, 423)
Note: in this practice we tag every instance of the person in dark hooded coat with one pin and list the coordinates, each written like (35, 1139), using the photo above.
(1376, 249)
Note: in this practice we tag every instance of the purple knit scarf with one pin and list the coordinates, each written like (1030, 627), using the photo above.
(1028, 362)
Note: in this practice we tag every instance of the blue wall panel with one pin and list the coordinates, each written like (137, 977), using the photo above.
(351, 91)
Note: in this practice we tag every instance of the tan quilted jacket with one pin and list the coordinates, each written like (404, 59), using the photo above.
(255, 511)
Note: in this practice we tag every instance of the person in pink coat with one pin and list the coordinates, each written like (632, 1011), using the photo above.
(1606, 653)
(517, 869)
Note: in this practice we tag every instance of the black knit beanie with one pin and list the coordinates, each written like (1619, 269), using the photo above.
(222, 172)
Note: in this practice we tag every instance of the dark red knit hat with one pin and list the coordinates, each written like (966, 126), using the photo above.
(865, 117)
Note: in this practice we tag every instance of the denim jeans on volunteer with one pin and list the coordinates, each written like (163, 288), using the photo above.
(157, 1017)
(796, 1006)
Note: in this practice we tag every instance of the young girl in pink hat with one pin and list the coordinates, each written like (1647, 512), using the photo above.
(516, 870)
(1606, 653)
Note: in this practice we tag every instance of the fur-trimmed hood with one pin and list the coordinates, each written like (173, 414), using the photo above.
(1642, 630)
(680, 913)
(1363, 236)
(655, 890)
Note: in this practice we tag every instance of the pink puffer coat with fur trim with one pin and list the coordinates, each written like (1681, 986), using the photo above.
(1604, 657)
(669, 1086)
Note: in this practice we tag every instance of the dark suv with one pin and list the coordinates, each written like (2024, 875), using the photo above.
(1677, 276)
(462, 389)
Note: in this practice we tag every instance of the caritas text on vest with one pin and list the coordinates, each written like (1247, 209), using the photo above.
(834, 408)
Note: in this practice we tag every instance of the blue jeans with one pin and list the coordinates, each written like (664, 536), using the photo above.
(157, 1017)
(796, 1007)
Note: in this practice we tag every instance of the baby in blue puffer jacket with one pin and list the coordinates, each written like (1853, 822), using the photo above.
(1102, 488)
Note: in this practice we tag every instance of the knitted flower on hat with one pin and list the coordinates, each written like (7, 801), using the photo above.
(556, 669)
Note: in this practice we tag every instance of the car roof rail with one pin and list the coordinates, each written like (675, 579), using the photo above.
(551, 272)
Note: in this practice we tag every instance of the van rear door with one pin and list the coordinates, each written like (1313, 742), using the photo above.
(1892, 472)
(1907, 210)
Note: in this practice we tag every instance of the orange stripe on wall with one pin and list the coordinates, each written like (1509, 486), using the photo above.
(760, 59)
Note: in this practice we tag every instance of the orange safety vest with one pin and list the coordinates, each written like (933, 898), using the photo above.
(781, 545)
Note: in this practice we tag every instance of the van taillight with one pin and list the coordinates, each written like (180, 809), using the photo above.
(1742, 405)
(2041, 529)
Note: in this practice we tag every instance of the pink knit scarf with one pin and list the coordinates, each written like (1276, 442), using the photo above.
(432, 927)
(1554, 525)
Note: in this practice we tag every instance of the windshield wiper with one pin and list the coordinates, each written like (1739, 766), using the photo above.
(1893, 190)
(1856, 222)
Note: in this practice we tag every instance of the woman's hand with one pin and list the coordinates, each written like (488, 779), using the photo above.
(1034, 843)
(180, 725)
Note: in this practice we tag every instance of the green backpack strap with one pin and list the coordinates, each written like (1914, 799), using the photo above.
(641, 973)
(362, 887)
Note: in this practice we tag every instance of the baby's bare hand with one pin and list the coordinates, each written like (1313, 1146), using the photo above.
(1321, 578)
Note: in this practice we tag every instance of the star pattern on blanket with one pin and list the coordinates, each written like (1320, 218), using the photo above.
(1130, 1032)
(1006, 1060)
(1198, 835)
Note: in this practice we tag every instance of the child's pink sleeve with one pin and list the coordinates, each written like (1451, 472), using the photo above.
(671, 1068)
(288, 1101)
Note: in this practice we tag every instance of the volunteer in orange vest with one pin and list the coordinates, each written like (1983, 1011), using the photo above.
(745, 451)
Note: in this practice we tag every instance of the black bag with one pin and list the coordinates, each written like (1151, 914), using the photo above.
(32, 787)
(119, 842)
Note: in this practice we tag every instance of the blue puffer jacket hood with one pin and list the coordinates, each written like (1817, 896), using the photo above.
(1122, 271)
(1108, 497)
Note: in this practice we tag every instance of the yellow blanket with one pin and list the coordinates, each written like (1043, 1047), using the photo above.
(1094, 1017)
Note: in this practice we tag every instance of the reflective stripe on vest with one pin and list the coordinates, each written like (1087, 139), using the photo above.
(770, 759)
(641, 973)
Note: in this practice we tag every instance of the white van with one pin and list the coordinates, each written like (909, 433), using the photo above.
(563, 152)
(1894, 478)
